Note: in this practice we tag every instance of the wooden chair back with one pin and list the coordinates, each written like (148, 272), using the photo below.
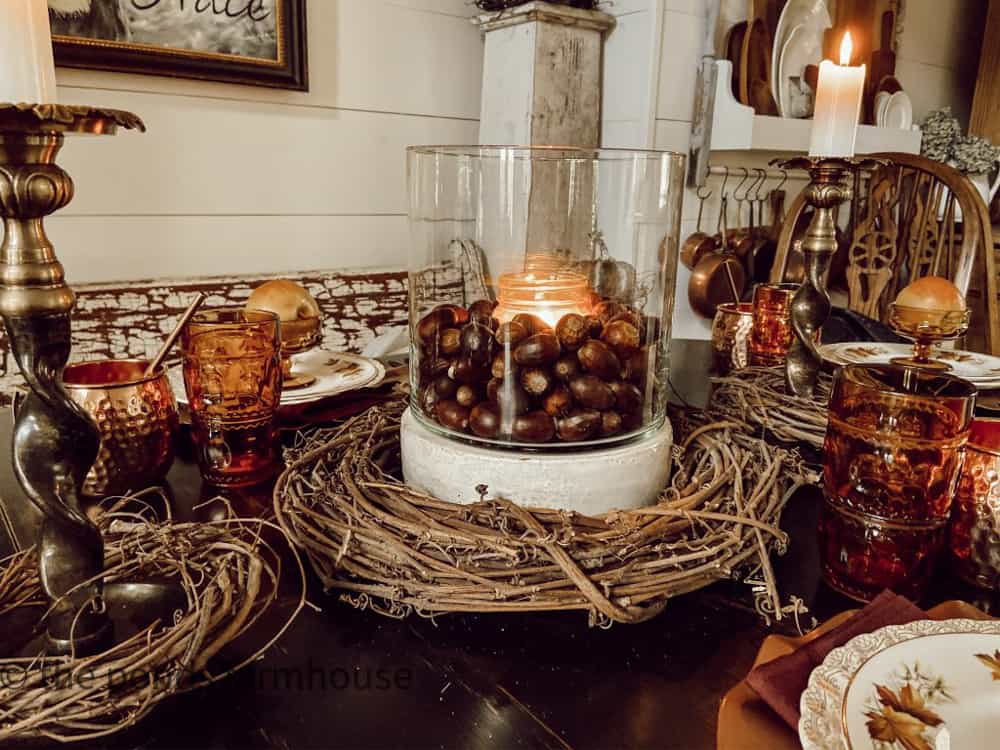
(914, 217)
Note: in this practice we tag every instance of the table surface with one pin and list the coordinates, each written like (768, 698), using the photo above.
(346, 678)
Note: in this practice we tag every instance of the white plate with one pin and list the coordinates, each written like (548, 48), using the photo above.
(811, 13)
(803, 47)
(881, 99)
(935, 677)
(982, 370)
(898, 112)
(335, 372)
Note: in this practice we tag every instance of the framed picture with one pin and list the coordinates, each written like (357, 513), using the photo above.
(254, 42)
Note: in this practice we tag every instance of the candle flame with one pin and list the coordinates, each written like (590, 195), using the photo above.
(846, 48)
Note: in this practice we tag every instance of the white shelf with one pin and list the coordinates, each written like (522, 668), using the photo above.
(735, 127)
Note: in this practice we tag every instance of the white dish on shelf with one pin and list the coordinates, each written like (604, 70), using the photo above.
(898, 112)
(803, 47)
(810, 13)
(918, 680)
(881, 99)
(982, 370)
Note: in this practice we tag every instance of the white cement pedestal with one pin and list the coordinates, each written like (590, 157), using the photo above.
(590, 482)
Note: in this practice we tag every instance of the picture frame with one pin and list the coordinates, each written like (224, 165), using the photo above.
(250, 42)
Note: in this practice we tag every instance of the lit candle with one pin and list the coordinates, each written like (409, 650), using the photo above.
(27, 73)
(547, 295)
(838, 105)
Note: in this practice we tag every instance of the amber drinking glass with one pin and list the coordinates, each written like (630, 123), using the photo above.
(772, 333)
(232, 374)
(731, 336)
(975, 517)
(894, 447)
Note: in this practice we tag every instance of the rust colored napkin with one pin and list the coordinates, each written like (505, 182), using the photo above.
(780, 682)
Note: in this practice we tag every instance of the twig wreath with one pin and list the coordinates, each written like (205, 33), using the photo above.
(757, 397)
(398, 551)
(229, 574)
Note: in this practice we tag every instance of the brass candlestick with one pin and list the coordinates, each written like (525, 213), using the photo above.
(55, 442)
(811, 304)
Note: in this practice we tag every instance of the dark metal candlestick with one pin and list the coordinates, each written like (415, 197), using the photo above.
(811, 304)
(55, 443)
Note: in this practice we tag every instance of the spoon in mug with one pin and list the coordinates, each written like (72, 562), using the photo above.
(172, 338)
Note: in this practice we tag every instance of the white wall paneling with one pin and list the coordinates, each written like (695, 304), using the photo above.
(238, 178)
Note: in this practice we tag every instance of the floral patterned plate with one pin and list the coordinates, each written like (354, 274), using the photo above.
(927, 685)
(982, 370)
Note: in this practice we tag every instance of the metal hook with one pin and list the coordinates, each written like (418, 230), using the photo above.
(736, 192)
(758, 183)
(708, 193)
(725, 180)
(784, 179)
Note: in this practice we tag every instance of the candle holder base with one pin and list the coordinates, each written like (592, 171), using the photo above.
(54, 441)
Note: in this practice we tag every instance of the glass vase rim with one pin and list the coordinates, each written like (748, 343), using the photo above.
(586, 154)
(850, 372)
(263, 317)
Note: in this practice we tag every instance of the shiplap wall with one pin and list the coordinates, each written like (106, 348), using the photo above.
(650, 81)
(238, 179)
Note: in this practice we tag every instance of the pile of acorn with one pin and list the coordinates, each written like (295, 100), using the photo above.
(526, 381)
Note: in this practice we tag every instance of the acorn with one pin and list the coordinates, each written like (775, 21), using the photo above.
(622, 337)
(464, 370)
(597, 358)
(511, 333)
(450, 341)
(452, 415)
(566, 367)
(611, 423)
(634, 368)
(592, 392)
(572, 331)
(468, 395)
(477, 342)
(532, 323)
(534, 427)
(594, 326)
(536, 381)
(443, 316)
(444, 387)
(484, 420)
(628, 398)
(558, 402)
(482, 310)
(499, 368)
(511, 398)
(581, 424)
(539, 349)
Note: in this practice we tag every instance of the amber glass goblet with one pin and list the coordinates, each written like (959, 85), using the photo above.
(925, 328)
(232, 375)
(772, 333)
(895, 442)
(975, 517)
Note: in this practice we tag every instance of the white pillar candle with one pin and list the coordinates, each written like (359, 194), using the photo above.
(838, 105)
(27, 72)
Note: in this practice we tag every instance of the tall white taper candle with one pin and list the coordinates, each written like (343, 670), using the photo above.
(838, 105)
(27, 72)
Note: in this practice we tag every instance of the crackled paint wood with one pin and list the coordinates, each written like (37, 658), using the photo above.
(131, 319)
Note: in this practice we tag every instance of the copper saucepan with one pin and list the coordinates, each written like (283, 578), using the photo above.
(699, 243)
(719, 276)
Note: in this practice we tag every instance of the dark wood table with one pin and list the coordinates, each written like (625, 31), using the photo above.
(344, 678)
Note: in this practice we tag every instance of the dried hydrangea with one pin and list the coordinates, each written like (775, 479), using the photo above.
(974, 155)
(941, 129)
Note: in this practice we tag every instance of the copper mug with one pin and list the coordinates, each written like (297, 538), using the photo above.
(974, 534)
(137, 417)
(731, 336)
